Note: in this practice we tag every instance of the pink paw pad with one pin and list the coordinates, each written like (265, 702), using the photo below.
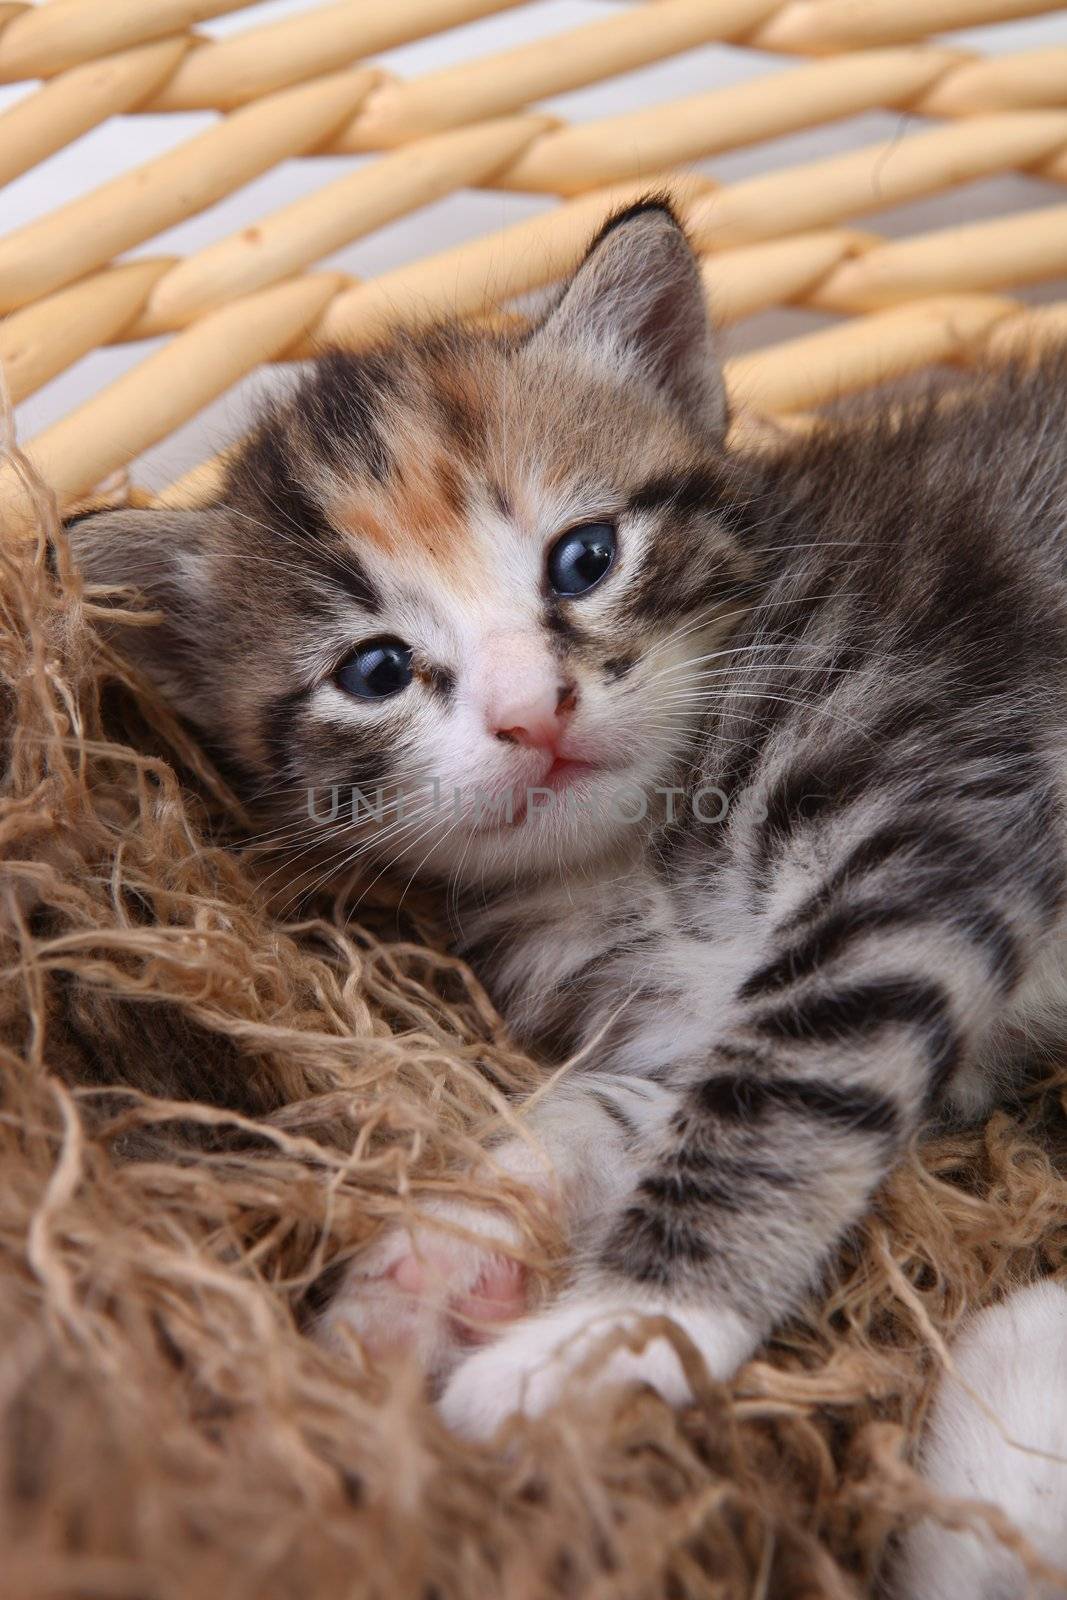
(498, 1295)
(408, 1275)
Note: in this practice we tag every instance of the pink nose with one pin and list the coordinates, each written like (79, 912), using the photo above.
(537, 725)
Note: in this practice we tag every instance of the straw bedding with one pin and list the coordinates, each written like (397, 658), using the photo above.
(203, 1107)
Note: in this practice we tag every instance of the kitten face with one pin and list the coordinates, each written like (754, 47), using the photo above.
(477, 573)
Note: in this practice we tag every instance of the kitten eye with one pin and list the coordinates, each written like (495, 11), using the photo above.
(581, 557)
(377, 669)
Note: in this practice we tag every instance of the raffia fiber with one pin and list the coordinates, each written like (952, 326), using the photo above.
(204, 1108)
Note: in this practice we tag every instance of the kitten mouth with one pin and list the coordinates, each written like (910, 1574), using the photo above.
(567, 770)
(564, 773)
(542, 795)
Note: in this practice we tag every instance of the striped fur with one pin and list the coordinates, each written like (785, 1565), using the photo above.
(860, 642)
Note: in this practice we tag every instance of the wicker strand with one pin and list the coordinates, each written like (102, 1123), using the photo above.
(501, 83)
(839, 361)
(74, 102)
(87, 232)
(147, 403)
(44, 40)
(742, 282)
(47, 337)
(1030, 78)
(876, 177)
(617, 148)
(812, 27)
(347, 209)
(982, 255)
(221, 75)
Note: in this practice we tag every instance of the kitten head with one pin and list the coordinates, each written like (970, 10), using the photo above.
(480, 572)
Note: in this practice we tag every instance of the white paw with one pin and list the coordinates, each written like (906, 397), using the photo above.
(434, 1291)
(530, 1367)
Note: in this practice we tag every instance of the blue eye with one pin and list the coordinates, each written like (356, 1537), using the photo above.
(580, 558)
(376, 670)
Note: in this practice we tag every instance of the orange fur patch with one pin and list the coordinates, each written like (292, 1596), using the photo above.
(422, 511)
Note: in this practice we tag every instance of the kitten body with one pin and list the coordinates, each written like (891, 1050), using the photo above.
(838, 678)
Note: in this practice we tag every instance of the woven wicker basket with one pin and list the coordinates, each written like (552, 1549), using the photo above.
(301, 85)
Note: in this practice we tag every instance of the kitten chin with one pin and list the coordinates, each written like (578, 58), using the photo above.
(599, 818)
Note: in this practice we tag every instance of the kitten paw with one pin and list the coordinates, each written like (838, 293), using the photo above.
(433, 1291)
(532, 1365)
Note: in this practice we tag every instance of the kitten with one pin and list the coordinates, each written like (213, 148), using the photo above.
(835, 683)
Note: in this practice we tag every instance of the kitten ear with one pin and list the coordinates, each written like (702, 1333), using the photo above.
(637, 302)
(164, 557)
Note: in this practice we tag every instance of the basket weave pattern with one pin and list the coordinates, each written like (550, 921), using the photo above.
(303, 85)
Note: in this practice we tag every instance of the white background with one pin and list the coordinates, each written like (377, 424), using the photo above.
(127, 141)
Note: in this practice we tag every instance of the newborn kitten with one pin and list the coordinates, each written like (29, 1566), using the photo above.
(529, 566)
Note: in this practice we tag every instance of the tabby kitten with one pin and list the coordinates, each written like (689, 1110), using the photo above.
(833, 686)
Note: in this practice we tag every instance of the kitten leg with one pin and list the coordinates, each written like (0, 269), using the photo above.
(1014, 1356)
(451, 1282)
(604, 1340)
(863, 995)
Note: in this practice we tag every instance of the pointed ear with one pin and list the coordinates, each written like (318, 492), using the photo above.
(637, 303)
(164, 559)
